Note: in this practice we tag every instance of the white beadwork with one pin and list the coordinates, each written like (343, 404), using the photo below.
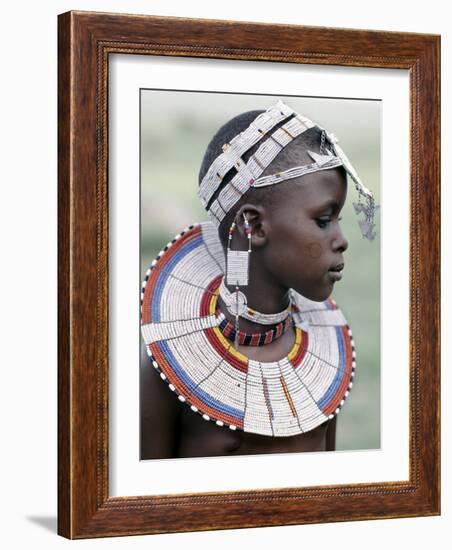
(163, 331)
(239, 145)
(263, 156)
(237, 262)
(297, 172)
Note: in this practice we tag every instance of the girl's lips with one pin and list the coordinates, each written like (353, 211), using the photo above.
(338, 267)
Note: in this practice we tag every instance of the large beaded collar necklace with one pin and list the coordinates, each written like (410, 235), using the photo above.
(180, 328)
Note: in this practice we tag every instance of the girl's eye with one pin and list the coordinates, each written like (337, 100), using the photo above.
(323, 222)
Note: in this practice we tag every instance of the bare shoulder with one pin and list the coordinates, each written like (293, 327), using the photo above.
(331, 434)
(159, 414)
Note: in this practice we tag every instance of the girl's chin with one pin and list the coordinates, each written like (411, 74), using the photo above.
(318, 295)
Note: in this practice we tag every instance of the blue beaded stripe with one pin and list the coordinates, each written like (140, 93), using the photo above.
(196, 390)
(157, 258)
(165, 274)
(325, 400)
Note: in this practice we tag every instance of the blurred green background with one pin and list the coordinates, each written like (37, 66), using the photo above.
(176, 128)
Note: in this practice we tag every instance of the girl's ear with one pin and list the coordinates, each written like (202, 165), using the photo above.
(257, 220)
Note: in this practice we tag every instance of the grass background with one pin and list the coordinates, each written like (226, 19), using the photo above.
(176, 128)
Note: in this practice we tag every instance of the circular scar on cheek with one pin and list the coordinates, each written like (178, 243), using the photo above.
(314, 250)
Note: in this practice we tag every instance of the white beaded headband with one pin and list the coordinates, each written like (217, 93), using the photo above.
(241, 143)
(249, 174)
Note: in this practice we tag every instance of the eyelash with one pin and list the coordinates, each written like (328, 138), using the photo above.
(322, 223)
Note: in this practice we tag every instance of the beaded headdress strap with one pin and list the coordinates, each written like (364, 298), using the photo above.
(249, 174)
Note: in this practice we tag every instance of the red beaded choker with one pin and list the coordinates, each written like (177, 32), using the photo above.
(252, 339)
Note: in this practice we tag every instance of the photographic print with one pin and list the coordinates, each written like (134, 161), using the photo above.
(266, 365)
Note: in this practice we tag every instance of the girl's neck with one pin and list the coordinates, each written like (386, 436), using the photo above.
(263, 296)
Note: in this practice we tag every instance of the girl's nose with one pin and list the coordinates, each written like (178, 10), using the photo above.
(340, 243)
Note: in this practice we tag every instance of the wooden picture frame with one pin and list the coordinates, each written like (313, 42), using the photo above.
(85, 42)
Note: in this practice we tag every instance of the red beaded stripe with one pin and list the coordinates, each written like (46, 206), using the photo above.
(228, 330)
(229, 357)
(210, 333)
(181, 389)
(339, 395)
(204, 308)
(155, 271)
(255, 339)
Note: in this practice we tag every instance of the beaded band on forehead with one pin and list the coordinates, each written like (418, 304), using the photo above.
(239, 145)
(249, 174)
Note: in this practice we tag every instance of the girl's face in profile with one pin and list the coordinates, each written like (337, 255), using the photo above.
(306, 246)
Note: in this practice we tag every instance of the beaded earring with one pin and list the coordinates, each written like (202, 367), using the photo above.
(237, 273)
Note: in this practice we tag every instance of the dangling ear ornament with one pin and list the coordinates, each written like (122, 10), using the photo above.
(237, 273)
